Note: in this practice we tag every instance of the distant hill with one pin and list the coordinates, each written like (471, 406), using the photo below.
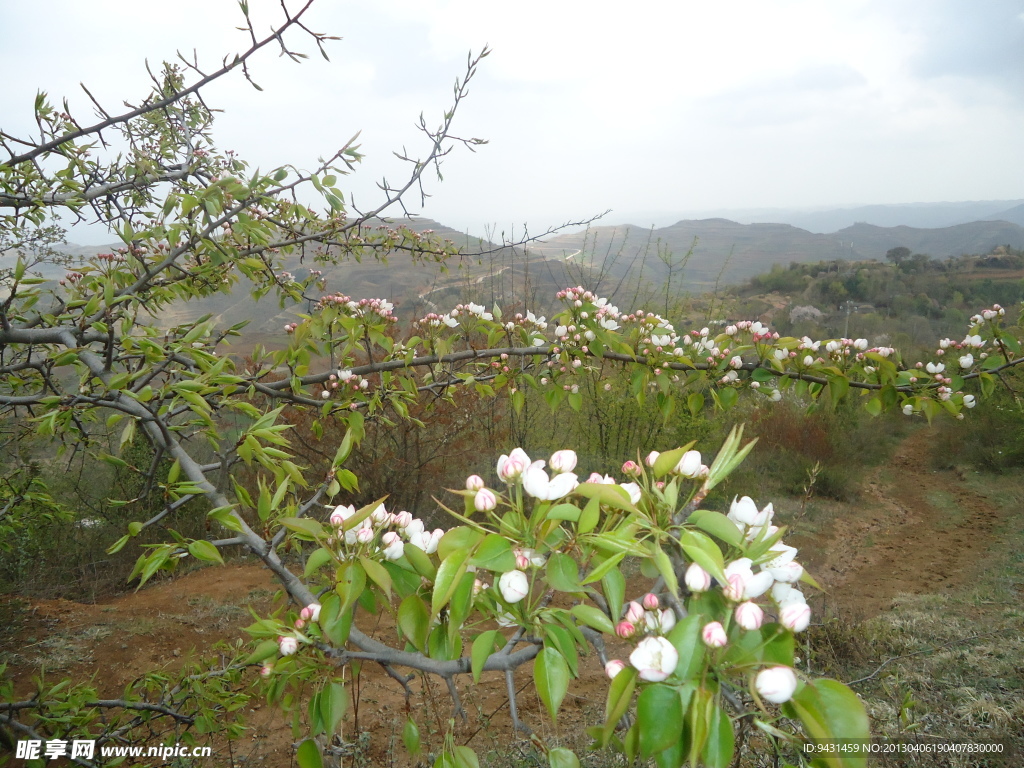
(923, 215)
(872, 242)
(1014, 215)
(736, 252)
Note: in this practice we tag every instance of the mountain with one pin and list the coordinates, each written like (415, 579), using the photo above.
(873, 242)
(1014, 215)
(921, 215)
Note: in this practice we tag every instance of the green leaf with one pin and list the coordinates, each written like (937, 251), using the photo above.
(317, 559)
(719, 747)
(668, 460)
(420, 561)
(704, 552)
(604, 568)
(378, 574)
(448, 575)
(593, 617)
(411, 737)
(483, 646)
(685, 637)
(333, 703)
(494, 553)
(204, 550)
(659, 715)
(551, 676)
(718, 525)
(620, 696)
(455, 539)
(564, 512)
(665, 569)
(614, 585)
(561, 573)
(414, 621)
(610, 495)
(830, 710)
(263, 651)
(308, 755)
(560, 757)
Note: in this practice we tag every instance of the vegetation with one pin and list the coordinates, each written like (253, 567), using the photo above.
(193, 454)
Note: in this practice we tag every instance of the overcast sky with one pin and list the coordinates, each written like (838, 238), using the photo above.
(653, 109)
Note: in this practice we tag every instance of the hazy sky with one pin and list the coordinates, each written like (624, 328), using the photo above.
(653, 109)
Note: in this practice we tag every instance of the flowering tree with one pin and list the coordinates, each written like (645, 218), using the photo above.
(531, 571)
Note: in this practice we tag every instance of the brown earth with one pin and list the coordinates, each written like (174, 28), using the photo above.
(899, 542)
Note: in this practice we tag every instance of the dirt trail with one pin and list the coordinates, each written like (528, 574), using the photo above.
(918, 531)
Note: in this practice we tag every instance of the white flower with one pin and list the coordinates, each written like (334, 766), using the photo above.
(776, 684)
(743, 583)
(783, 554)
(655, 658)
(783, 594)
(969, 401)
(749, 615)
(776, 395)
(287, 645)
(935, 367)
(537, 484)
(341, 514)
(633, 490)
(689, 465)
(659, 621)
(474, 483)
(795, 616)
(736, 362)
(697, 579)
(512, 466)
(713, 635)
(394, 547)
(908, 410)
(563, 461)
(514, 586)
(485, 500)
(651, 458)
(967, 360)
(788, 573)
(860, 344)
(532, 556)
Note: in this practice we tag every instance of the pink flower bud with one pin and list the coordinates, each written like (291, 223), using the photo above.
(474, 483)
(287, 645)
(631, 469)
(267, 670)
(795, 616)
(485, 500)
(364, 535)
(403, 519)
(749, 615)
(625, 629)
(714, 635)
(522, 562)
(650, 601)
(613, 667)
(634, 612)
(651, 458)
(299, 623)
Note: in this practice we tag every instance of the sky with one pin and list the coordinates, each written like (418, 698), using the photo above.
(656, 110)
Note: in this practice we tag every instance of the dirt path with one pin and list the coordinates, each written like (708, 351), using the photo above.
(917, 531)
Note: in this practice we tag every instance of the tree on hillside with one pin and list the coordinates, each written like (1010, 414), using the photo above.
(898, 254)
(87, 363)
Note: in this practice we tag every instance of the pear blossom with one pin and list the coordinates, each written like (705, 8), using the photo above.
(633, 490)
(651, 458)
(784, 594)
(364, 535)
(287, 645)
(512, 466)
(485, 500)
(533, 558)
(749, 615)
(789, 573)
(613, 667)
(402, 519)
(655, 658)
(625, 629)
(394, 547)
(689, 465)
(935, 367)
(908, 410)
(650, 601)
(514, 586)
(697, 579)
(659, 621)
(795, 616)
(634, 612)
(563, 461)
(967, 360)
(776, 684)
(342, 513)
(714, 635)
(537, 484)
(969, 401)
(474, 483)
(743, 583)
(380, 516)
(311, 612)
